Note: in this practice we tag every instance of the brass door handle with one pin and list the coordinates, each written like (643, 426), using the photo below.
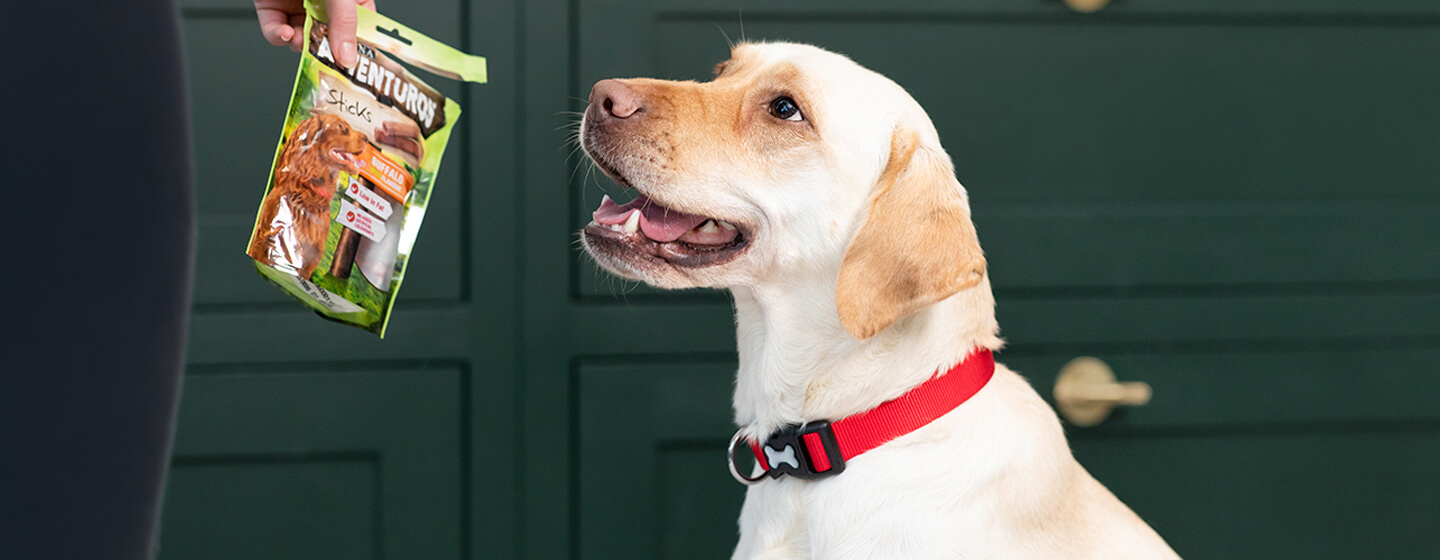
(1086, 392)
(1087, 6)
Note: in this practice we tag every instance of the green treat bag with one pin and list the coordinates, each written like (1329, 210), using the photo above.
(353, 171)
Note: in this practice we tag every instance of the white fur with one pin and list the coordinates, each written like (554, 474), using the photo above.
(992, 479)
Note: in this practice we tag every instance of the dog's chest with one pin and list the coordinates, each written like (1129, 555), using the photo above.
(895, 502)
(310, 215)
(833, 520)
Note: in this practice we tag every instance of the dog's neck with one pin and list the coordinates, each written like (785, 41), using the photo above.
(797, 363)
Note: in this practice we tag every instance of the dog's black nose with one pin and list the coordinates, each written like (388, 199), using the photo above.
(614, 99)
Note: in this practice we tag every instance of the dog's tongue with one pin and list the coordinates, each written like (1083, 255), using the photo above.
(657, 222)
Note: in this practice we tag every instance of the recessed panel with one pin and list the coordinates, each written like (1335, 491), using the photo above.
(699, 504)
(653, 481)
(329, 464)
(1281, 495)
(293, 509)
(239, 90)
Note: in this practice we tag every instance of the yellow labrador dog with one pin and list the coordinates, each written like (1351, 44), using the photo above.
(818, 193)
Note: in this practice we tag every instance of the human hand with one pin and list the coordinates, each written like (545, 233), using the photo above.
(283, 23)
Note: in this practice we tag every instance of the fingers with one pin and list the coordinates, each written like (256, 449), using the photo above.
(274, 26)
(281, 27)
(297, 39)
(343, 22)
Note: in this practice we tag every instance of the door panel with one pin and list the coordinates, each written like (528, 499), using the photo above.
(355, 464)
(652, 484)
(1332, 492)
(301, 509)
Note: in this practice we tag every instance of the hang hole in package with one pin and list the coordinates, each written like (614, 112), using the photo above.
(354, 168)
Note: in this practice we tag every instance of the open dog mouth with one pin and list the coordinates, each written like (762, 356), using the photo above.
(350, 161)
(346, 158)
(650, 229)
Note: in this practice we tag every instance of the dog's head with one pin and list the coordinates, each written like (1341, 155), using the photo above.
(317, 148)
(793, 162)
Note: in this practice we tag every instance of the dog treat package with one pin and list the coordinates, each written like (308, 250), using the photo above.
(352, 174)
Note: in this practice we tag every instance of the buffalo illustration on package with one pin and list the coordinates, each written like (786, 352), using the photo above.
(354, 168)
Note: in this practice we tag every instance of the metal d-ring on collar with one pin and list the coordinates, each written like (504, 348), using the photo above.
(790, 453)
(735, 470)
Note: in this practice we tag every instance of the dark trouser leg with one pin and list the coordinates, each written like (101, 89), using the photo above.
(98, 218)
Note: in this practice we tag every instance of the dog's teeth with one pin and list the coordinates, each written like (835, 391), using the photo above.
(726, 225)
(604, 198)
(616, 227)
(708, 227)
(632, 224)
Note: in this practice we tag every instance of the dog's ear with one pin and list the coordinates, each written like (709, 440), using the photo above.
(916, 246)
(303, 138)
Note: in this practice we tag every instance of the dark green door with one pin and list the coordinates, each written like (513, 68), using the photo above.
(1235, 202)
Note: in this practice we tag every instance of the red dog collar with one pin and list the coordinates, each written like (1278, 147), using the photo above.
(821, 449)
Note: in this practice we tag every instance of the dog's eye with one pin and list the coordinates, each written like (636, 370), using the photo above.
(785, 108)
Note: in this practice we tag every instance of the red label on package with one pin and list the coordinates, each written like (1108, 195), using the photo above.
(356, 218)
(367, 198)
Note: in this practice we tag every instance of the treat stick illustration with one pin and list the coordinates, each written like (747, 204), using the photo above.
(362, 214)
(402, 136)
(344, 253)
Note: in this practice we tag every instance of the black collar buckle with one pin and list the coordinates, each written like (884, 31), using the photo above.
(789, 452)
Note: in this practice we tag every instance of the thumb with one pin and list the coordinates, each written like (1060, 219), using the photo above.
(343, 22)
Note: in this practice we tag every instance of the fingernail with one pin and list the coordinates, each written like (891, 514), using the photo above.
(347, 54)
